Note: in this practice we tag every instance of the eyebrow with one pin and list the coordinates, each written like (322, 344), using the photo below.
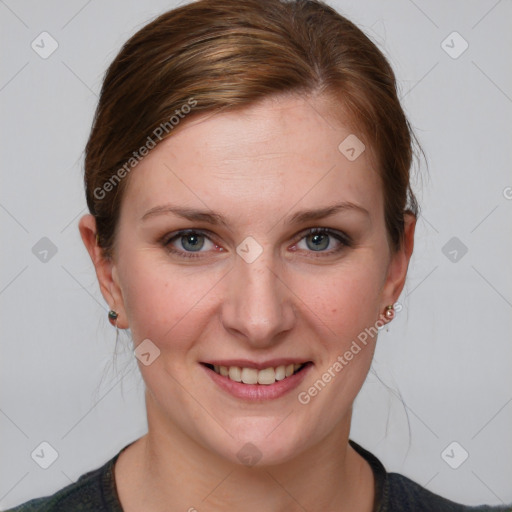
(302, 216)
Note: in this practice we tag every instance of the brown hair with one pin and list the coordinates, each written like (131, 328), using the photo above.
(216, 55)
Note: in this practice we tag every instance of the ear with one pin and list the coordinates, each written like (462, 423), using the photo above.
(105, 270)
(399, 263)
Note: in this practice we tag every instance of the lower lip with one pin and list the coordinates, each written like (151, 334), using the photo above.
(258, 392)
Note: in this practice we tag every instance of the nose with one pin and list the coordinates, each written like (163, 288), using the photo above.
(258, 305)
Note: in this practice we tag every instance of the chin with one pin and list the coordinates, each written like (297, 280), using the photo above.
(263, 441)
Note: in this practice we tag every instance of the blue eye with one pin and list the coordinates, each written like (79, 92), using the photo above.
(318, 241)
(187, 242)
(321, 239)
(192, 243)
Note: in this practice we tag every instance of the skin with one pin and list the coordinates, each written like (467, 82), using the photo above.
(256, 168)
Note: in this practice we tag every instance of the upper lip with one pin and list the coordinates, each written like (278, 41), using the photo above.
(258, 365)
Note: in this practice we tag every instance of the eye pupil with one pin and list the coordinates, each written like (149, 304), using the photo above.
(192, 242)
(320, 241)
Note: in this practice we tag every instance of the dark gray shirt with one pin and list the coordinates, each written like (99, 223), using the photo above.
(95, 491)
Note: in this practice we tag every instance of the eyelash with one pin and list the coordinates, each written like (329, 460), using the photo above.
(344, 240)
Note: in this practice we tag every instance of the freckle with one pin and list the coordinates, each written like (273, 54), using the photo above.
(334, 310)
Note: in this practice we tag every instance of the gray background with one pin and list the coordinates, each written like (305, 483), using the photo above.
(447, 354)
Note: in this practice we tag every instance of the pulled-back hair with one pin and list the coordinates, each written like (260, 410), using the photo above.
(216, 55)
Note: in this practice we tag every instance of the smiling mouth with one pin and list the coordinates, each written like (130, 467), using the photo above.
(265, 377)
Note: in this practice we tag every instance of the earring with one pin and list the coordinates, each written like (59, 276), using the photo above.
(112, 317)
(390, 312)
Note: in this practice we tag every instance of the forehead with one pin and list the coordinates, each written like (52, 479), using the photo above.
(265, 158)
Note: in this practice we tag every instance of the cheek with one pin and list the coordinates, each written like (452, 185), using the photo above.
(345, 299)
(347, 306)
(165, 302)
(172, 305)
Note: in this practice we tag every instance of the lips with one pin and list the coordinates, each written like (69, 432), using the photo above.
(250, 375)
(256, 382)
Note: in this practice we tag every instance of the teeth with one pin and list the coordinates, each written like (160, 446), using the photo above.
(280, 373)
(234, 373)
(267, 376)
(252, 376)
(249, 376)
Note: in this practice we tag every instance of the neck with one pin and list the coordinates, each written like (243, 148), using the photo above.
(174, 468)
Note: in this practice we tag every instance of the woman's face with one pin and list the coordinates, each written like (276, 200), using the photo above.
(248, 287)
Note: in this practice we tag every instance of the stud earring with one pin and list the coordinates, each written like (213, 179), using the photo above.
(112, 317)
(390, 312)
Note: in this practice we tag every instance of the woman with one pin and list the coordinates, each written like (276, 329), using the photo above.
(251, 222)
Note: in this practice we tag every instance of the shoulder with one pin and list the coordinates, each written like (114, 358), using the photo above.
(402, 494)
(397, 493)
(93, 491)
